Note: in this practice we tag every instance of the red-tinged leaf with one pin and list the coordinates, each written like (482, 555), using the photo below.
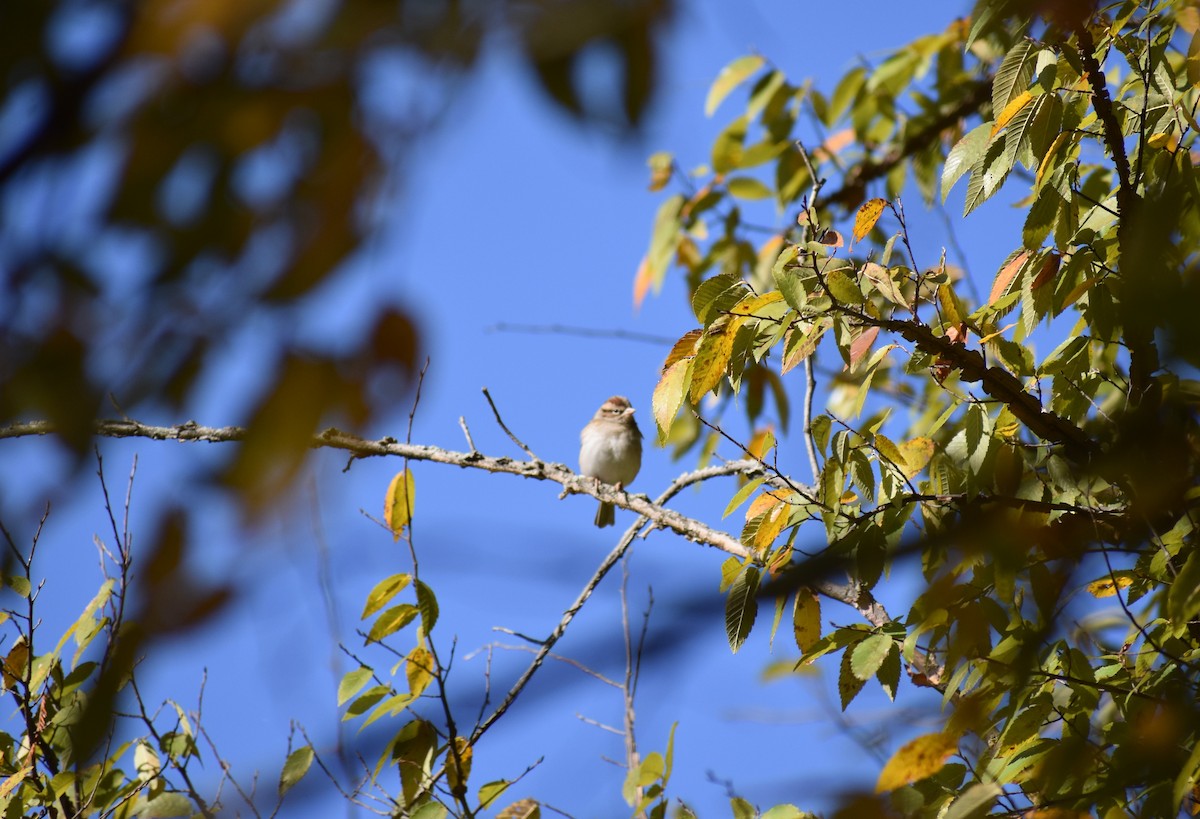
(684, 348)
(957, 333)
(641, 282)
(862, 345)
(1005, 277)
(668, 396)
(867, 216)
(832, 238)
(835, 143)
(398, 505)
(1047, 271)
(708, 367)
(799, 344)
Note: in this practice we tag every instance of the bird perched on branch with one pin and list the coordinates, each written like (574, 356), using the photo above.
(611, 450)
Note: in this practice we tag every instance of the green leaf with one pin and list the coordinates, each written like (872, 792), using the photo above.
(742, 809)
(974, 801)
(294, 769)
(889, 672)
(427, 603)
(731, 77)
(741, 607)
(1014, 74)
(352, 683)
(784, 812)
(747, 187)
(489, 792)
(964, 155)
(383, 593)
(868, 656)
(740, 496)
(843, 288)
(848, 683)
(987, 176)
(716, 294)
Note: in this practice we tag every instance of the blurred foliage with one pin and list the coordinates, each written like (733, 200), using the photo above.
(176, 176)
(1050, 499)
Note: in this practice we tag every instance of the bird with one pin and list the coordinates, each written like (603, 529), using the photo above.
(611, 450)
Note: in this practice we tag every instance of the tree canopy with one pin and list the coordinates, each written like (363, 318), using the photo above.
(1044, 498)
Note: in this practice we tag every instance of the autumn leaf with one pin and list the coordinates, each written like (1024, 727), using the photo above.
(922, 757)
(398, 505)
(1004, 278)
(862, 345)
(867, 216)
(1109, 586)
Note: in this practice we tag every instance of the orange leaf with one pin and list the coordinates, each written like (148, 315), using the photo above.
(1004, 278)
(762, 503)
(641, 282)
(762, 442)
(867, 216)
(686, 346)
(1047, 272)
(1011, 110)
(835, 143)
(862, 345)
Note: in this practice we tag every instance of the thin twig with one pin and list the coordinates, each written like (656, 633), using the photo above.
(500, 421)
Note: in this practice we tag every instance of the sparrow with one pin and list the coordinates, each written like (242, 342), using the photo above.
(611, 450)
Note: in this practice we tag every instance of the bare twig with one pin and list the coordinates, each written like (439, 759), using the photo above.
(462, 422)
(508, 431)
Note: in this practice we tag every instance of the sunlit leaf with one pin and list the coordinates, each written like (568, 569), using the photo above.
(419, 669)
(399, 503)
(383, 593)
(868, 214)
(916, 759)
(295, 767)
(731, 77)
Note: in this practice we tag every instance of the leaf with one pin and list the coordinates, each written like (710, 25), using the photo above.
(891, 453)
(789, 284)
(458, 770)
(661, 165)
(1109, 586)
(731, 77)
(740, 496)
(1014, 74)
(807, 619)
(746, 187)
(889, 672)
(1006, 275)
(418, 668)
(917, 454)
(974, 800)
(917, 759)
(15, 662)
(741, 606)
(352, 683)
(383, 593)
(294, 769)
(848, 684)
(881, 278)
(428, 604)
(964, 155)
(712, 296)
(489, 792)
(523, 809)
(392, 621)
(1011, 110)
(712, 359)
(398, 505)
(684, 348)
(843, 288)
(862, 345)
(868, 656)
(867, 216)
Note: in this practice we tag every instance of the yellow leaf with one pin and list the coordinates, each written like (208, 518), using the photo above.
(383, 593)
(661, 165)
(11, 782)
(762, 442)
(14, 663)
(750, 305)
(892, 453)
(418, 667)
(1011, 110)
(458, 769)
(922, 757)
(916, 453)
(684, 348)
(1108, 586)
(806, 619)
(712, 358)
(770, 527)
(668, 396)
(867, 216)
(767, 500)
(398, 505)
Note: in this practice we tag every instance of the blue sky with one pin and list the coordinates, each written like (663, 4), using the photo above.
(512, 213)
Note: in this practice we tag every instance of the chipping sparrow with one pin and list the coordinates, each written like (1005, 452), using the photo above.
(611, 450)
